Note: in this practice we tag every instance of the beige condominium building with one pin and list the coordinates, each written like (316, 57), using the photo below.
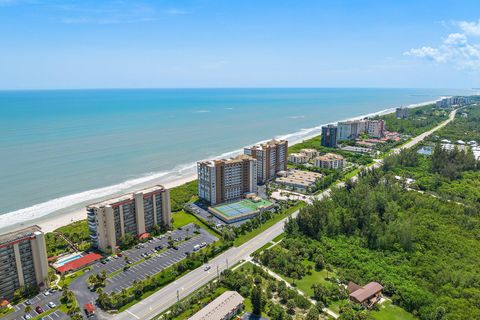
(330, 161)
(134, 213)
(23, 261)
(225, 180)
(271, 157)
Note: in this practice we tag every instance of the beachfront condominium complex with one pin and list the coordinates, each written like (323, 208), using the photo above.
(23, 261)
(225, 180)
(376, 128)
(271, 157)
(329, 136)
(401, 113)
(134, 213)
(351, 130)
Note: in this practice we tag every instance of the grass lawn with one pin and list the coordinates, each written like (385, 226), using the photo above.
(389, 311)
(277, 217)
(182, 218)
(306, 282)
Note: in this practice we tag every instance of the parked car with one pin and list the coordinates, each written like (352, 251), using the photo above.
(89, 310)
(39, 309)
(119, 255)
(28, 302)
(46, 293)
(27, 316)
(52, 304)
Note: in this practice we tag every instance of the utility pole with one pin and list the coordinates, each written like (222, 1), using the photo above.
(178, 296)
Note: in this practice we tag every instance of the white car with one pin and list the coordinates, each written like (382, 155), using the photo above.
(46, 293)
(207, 268)
(52, 304)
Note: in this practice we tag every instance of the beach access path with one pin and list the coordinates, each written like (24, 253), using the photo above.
(163, 299)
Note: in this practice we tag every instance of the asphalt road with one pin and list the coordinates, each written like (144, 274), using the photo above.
(164, 298)
(151, 266)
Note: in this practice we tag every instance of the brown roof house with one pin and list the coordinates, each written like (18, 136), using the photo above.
(367, 295)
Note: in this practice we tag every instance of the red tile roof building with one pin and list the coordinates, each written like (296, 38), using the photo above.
(79, 263)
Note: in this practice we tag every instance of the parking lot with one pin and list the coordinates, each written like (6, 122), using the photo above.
(158, 261)
(39, 300)
(140, 267)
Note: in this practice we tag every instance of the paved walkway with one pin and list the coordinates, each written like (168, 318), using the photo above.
(279, 278)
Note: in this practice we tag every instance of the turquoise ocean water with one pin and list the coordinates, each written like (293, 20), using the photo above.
(60, 149)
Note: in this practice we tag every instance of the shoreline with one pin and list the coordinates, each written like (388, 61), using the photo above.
(76, 212)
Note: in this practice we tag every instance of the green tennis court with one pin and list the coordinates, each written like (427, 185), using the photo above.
(241, 207)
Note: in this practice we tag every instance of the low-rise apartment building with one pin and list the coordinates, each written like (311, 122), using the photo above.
(298, 180)
(226, 179)
(310, 153)
(330, 161)
(134, 213)
(271, 158)
(224, 307)
(298, 158)
(23, 261)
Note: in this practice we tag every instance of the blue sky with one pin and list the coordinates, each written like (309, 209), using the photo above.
(206, 43)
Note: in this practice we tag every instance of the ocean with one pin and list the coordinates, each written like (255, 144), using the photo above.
(63, 149)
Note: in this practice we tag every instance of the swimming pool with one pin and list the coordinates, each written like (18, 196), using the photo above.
(68, 259)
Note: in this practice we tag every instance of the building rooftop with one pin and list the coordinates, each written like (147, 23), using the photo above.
(366, 292)
(300, 177)
(270, 143)
(330, 157)
(220, 307)
(125, 197)
(19, 235)
(78, 263)
(238, 158)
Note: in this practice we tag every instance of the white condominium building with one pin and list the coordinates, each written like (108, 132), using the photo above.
(23, 261)
(134, 213)
(330, 161)
(225, 180)
(348, 130)
(271, 157)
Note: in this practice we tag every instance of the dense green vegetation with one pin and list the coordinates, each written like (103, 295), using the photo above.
(419, 120)
(422, 249)
(463, 128)
(76, 232)
(183, 194)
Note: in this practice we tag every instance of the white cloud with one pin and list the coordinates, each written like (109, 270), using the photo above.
(470, 27)
(426, 52)
(456, 49)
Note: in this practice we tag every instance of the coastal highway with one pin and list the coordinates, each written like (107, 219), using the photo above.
(167, 296)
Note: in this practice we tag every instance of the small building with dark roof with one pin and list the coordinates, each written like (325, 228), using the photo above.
(367, 295)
